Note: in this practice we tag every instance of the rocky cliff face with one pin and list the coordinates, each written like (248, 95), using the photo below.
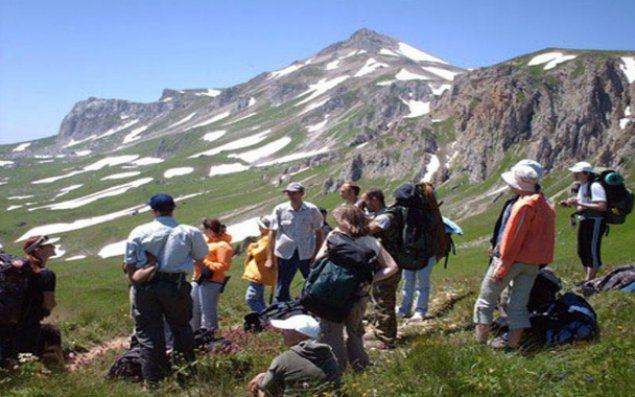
(574, 111)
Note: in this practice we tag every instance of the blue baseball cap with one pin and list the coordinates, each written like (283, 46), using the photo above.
(161, 202)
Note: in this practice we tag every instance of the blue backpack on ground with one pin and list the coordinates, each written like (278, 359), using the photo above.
(334, 280)
(567, 319)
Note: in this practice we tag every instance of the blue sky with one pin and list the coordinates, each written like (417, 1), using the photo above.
(55, 53)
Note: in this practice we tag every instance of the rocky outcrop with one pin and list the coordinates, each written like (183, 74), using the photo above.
(556, 116)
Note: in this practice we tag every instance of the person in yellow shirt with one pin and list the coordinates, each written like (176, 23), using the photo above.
(256, 272)
(208, 279)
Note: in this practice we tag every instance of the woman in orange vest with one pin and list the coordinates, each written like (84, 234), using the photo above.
(208, 280)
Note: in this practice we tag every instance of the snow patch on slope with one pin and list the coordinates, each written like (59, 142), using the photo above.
(172, 172)
(417, 55)
(21, 147)
(405, 75)
(550, 59)
(369, 67)
(628, 67)
(214, 119)
(320, 88)
(224, 169)
(264, 151)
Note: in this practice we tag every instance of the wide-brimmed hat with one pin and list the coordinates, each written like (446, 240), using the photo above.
(521, 177)
(581, 166)
(533, 164)
(302, 323)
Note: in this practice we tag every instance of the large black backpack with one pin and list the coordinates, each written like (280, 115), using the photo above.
(15, 281)
(334, 280)
(569, 318)
(421, 230)
(619, 199)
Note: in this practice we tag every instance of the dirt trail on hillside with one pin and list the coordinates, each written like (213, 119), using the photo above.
(81, 360)
(441, 304)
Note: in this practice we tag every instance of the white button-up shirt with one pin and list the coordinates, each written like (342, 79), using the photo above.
(295, 229)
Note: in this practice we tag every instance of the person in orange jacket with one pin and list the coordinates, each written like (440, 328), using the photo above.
(256, 273)
(528, 240)
(208, 279)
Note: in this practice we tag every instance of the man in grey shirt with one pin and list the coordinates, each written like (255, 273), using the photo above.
(307, 368)
(173, 249)
(295, 236)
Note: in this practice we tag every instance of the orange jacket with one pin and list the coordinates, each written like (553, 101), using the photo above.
(255, 269)
(218, 260)
(530, 234)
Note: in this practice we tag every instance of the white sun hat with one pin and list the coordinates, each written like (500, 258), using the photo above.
(521, 177)
(533, 164)
(582, 166)
(302, 323)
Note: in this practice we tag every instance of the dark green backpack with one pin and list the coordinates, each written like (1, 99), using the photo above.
(619, 199)
(334, 280)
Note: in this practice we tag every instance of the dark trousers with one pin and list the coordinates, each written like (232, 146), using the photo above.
(287, 268)
(590, 234)
(153, 302)
(384, 316)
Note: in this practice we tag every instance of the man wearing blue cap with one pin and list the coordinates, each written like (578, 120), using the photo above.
(165, 294)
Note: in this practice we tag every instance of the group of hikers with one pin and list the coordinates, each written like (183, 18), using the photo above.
(368, 235)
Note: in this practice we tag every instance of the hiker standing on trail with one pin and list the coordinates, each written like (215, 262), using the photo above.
(591, 206)
(307, 368)
(528, 239)
(353, 222)
(384, 292)
(503, 217)
(255, 271)
(295, 236)
(167, 293)
(208, 279)
(349, 192)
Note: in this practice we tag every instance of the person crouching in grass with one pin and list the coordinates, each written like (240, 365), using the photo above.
(528, 239)
(258, 275)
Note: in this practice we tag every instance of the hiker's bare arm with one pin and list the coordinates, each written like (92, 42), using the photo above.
(253, 384)
(321, 252)
(271, 249)
(374, 228)
(49, 300)
(319, 239)
(599, 206)
(387, 264)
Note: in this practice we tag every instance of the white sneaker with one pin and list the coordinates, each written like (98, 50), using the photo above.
(417, 317)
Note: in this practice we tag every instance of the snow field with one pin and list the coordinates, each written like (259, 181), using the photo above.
(265, 151)
(210, 92)
(443, 73)
(183, 120)
(214, 135)
(417, 55)
(550, 59)
(369, 67)
(121, 175)
(91, 198)
(405, 75)
(237, 144)
(294, 156)
(172, 172)
(134, 134)
(333, 65)
(629, 68)
(21, 147)
(224, 169)
(320, 88)
(212, 120)
(431, 168)
(417, 108)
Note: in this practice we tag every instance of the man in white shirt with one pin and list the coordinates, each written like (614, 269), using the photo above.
(591, 205)
(295, 236)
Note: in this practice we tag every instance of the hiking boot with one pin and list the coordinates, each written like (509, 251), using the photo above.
(417, 317)
(499, 343)
(377, 345)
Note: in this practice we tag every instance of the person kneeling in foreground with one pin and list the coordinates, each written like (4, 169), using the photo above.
(528, 239)
(307, 367)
